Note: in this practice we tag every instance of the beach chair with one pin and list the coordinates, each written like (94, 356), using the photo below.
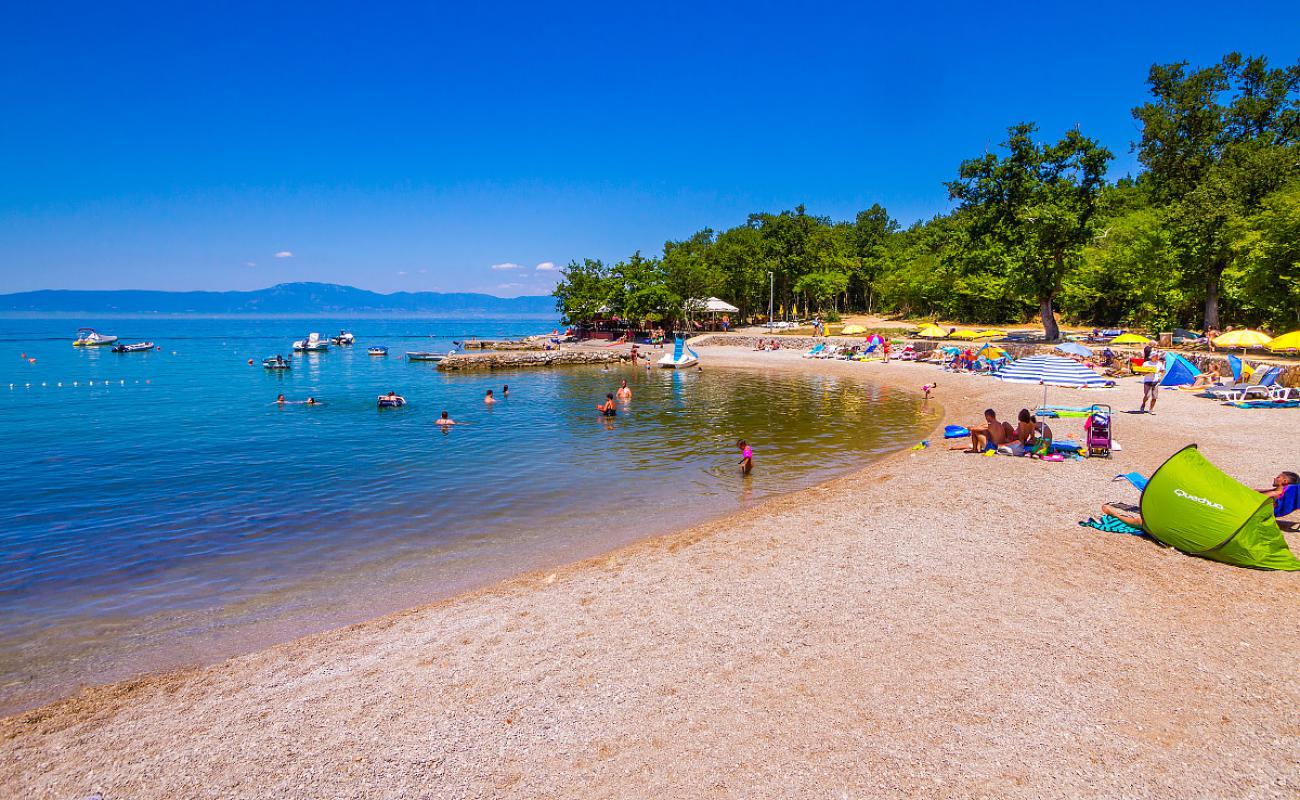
(1237, 390)
(815, 352)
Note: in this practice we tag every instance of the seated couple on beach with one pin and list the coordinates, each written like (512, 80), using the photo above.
(1028, 437)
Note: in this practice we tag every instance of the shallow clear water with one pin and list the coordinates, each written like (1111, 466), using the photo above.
(160, 508)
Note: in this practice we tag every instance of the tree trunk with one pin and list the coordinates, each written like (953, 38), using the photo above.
(1212, 302)
(1050, 328)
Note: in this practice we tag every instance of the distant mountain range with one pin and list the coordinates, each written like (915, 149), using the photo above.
(283, 299)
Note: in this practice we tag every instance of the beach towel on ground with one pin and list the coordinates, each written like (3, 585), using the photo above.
(1288, 503)
(1111, 524)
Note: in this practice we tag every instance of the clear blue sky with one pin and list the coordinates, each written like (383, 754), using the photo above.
(413, 146)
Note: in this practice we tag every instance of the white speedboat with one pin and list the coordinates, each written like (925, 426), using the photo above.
(681, 357)
(391, 400)
(343, 339)
(378, 350)
(312, 344)
(87, 337)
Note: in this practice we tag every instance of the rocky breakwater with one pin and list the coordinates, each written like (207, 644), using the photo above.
(516, 359)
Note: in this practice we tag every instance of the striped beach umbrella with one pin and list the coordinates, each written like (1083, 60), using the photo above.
(1052, 371)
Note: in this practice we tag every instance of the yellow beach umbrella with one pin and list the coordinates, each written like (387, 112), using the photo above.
(852, 329)
(931, 332)
(966, 335)
(1287, 341)
(989, 334)
(1130, 338)
(1243, 338)
(992, 352)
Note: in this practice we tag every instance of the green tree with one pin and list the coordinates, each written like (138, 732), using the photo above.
(1216, 141)
(585, 290)
(1034, 209)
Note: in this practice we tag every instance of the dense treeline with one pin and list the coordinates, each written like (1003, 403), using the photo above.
(1208, 232)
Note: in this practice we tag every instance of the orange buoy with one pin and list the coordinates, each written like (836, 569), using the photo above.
(250, 362)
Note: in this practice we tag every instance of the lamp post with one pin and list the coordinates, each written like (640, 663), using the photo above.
(771, 295)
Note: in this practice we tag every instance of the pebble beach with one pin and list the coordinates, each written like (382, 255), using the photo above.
(934, 625)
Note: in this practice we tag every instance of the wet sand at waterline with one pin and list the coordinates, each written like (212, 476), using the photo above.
(935, 625)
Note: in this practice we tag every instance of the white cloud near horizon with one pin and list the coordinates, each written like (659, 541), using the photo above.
(284, 254)
(506, 265)
(546, 266)
(250, 263)
(509, 285)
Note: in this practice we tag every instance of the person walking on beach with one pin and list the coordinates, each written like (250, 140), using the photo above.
(746, 457)
(1151, 381)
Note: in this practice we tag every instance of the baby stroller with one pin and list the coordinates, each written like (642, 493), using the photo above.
(1098, 432)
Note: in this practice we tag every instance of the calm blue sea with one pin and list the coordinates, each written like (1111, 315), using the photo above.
(160, 508)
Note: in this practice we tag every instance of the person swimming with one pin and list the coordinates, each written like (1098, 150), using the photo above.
(311, 401)
(444, 421)
(505, 390)
(624, 393)
(280, 399)
(488, 398)
(608, 408)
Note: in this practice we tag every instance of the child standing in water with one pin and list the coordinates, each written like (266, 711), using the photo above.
(746, 457)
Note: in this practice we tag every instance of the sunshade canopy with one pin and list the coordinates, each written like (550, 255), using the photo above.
(1287, 341)
(931, 332)
(851, 329)
(1130, 338)
(711, 304)
(1192, 505)
(1074, 349)
(1051, 371)
(1242, 338)
(966, 335)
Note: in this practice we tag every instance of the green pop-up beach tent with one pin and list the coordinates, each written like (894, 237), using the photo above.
(1192, 505)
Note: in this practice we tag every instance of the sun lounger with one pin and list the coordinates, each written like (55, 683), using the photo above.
(815, 351)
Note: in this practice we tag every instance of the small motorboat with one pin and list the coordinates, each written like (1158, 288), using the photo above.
(312, 344)
(277, 362)
(137, 347)
(379, 350)
(428, 355)
(344, 338)
(681, 357)
(88, 337)
(391, 400)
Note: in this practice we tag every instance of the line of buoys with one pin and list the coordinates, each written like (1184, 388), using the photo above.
(59, 384)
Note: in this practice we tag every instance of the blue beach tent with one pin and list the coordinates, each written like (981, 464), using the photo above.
(1179, 371)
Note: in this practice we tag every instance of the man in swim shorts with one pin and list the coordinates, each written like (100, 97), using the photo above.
(991, 435)
(624, 393)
